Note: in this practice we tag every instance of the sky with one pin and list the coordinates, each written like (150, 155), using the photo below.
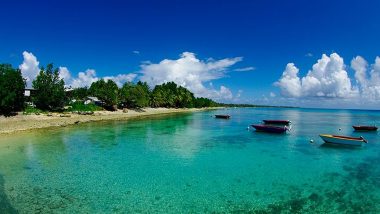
(299, 53)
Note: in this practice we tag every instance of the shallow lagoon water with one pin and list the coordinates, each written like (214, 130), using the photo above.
(194, 163)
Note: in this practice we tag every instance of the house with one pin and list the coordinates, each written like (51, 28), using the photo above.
(93, 100)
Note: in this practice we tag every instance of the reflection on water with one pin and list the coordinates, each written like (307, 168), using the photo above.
(193, 163)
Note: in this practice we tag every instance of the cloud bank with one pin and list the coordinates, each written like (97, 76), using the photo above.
(368, 82)
(188, 71)
(329, 78)
(191, 73)
(86, 78)
(30, 69)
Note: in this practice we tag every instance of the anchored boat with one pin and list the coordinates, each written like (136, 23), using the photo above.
(344, 140)
(270, 129)
(365, 128)
(222, 116)
(277, 122)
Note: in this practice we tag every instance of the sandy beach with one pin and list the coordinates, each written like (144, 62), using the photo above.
(22, 122)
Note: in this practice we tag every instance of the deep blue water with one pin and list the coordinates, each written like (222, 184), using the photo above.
(194, 163)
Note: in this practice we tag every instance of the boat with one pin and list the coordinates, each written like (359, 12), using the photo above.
(344, 140)
(270, 129)
(222, 116)
(365, 128)
(277, 122)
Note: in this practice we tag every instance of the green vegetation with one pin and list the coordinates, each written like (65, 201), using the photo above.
(174, 96)
(79, 93)
(11, 89)
(31, 110)
(50, 87)
(80, 106)
(107, 91)
(135, 96)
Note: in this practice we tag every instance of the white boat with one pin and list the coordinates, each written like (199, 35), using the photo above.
(336, 139)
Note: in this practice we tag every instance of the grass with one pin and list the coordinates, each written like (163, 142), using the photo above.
(32, 110)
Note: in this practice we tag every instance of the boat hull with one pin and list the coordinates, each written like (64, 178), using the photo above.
(342, 140)
(270, 129)
(277, 122)
(365, 128)
(222, 116)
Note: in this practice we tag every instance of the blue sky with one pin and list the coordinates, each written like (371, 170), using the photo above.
(103, 35)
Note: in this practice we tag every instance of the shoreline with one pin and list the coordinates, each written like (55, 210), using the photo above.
(22, 123)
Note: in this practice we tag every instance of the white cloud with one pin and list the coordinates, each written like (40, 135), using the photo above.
(190, 72)
(369, 85)
(84, 79)
(122, 78)
(250, 68)
(64, 74)
(29, 68)
(359, 64)
(290, 83)
(309, 54)
(328, 78)
(271, 94)
(136, 52)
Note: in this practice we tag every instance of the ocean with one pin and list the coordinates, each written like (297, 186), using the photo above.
(194, 163)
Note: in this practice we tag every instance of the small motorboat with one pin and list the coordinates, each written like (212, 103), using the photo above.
(277, 122)
(344, 140)
(270, 129)
(222, 116)
(365, 128)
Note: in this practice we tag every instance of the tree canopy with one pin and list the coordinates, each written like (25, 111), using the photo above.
(135, 95)
(107, 91)
(11, 89)
(50, 89)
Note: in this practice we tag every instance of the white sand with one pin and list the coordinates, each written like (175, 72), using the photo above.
(22, 122)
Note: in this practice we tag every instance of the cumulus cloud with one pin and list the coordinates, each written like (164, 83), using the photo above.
(327, 78)
(64, 74)
(85, 79)
(250, 68)
(191, 73)
(122, 78)
(29, 68)
(290, 83)
(369, 84)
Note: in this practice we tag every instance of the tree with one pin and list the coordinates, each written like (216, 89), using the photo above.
(135, 96)
(143, 94)
(50, 89)
(106, 91)
(12, 88)
(157, 97)
(201, 102)
(79, 93)
(172, 96)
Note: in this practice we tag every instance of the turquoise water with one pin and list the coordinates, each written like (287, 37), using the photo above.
(194, 163)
